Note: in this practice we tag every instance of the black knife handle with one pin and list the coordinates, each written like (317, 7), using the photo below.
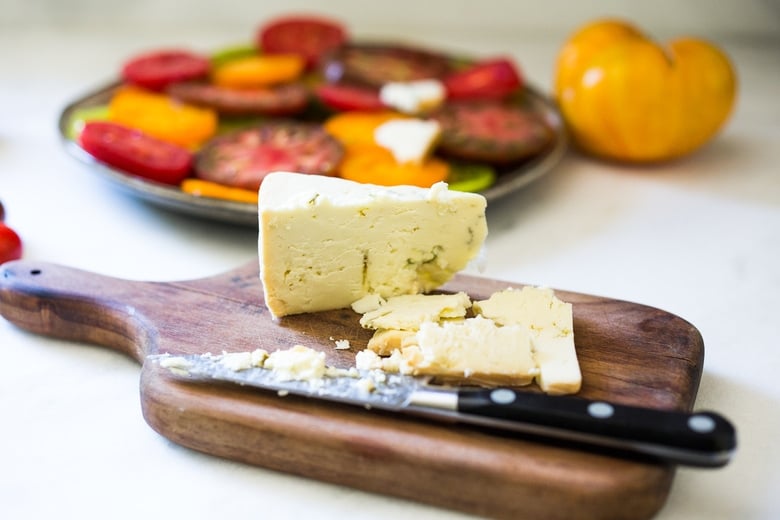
(703, 439)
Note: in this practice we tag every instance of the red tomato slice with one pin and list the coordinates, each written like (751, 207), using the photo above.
(10, 244)
(156, 70)
(347, 97)
(135, 152)
(489, 79)
(307, 36)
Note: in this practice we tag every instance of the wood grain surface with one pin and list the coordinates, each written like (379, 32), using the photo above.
(629, 353)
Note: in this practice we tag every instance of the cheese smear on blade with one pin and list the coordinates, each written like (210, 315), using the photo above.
(326, 242)
(298, 363)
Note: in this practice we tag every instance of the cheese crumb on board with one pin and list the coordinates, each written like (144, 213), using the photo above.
(551, 325)
(342, 344)
(325, 243)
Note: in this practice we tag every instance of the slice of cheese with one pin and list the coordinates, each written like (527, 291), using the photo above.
(398, 318)
(408, 311)
(326, 242)
(476, 350)
(551, 325)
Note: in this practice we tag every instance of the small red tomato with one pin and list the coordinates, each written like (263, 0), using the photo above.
(10, 244)
(307, 36)
(345, 97)
(488, 79)
(156, 70)
(135, 152)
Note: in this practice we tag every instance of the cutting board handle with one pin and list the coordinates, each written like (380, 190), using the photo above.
(62, 302)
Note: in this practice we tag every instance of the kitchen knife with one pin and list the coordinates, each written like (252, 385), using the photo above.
(701, 439)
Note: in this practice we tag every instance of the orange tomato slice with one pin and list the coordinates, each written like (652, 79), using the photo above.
(259, 71)
(162, 117)
(356, 128)
(376, 165)
(201, 188)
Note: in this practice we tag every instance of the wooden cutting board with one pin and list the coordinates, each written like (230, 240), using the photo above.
(629, 353)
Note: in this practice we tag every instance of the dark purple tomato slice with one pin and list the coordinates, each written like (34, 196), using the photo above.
(495, 78)
(135, 152)
(156, 70)
(349, 97)
(307, 36)
(287, 99)
(244, 157)
(374, 65)
(491, 131)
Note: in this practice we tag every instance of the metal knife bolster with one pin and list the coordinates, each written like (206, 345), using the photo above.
(703, 439)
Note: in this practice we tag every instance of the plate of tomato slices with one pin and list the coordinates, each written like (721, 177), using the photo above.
(197, 133)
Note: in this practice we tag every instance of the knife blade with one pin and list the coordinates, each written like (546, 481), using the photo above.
(700, 439)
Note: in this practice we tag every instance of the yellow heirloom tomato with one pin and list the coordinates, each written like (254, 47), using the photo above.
(625, 97)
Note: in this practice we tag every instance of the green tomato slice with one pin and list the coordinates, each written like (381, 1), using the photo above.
(470, 177)
(80, 116)
(234, 52)
(230, 124)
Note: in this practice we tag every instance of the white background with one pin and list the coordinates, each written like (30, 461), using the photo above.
(699, 237)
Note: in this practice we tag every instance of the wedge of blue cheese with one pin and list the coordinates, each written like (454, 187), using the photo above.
(326, 242)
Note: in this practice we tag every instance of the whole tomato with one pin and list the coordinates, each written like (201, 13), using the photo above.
(10, 243)
(625, 97)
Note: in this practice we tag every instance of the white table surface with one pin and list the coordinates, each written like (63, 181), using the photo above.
(699, 238)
